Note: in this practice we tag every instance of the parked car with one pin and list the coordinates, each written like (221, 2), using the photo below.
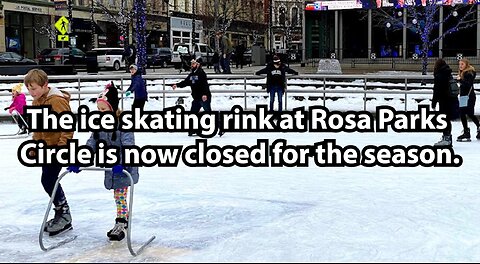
(61, 56)
(199, 50)
(12, 58)
(110, 58)
(159, 57)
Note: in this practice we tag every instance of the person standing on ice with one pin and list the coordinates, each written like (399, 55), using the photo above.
(138, 87)
(36, 82)
(18, 103)
(115, 179)
(276, 80)
(441, 95)
(466, 77)
(201, 95)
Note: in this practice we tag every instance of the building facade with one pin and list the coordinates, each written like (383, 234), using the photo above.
(357, 32)
(286, 23)
(27, 26)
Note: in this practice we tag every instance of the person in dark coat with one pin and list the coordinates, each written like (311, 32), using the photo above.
(239, 57)
(137, 86)
(276, 80)
(441, 95)
(129, 55)
(466, 77)
(201, 95)
(216, 62)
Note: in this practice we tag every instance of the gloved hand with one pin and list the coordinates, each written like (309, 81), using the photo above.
(6, 108)
(74, 169)
(128, 93)
(117, 169)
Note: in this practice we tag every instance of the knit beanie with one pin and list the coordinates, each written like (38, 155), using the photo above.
(110, 96)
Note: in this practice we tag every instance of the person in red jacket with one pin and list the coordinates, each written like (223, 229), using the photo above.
(16, 108)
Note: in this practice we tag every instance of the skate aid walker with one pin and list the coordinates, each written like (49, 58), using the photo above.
(68, 240)
(19, 118)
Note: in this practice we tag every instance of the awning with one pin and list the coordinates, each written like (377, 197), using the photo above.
(85, 26)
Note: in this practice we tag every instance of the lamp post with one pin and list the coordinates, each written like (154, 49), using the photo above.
(270, 21)
(193, 22)
(92, 23)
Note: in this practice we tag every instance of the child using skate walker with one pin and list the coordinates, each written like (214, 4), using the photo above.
(18, 103)
(114, 180)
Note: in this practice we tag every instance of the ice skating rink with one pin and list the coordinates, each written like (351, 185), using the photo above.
(204, 214)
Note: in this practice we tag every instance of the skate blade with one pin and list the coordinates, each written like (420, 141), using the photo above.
(116, 239)
(59, 232)
(464, 140)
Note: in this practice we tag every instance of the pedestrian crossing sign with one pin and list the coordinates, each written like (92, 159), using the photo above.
(62, 25)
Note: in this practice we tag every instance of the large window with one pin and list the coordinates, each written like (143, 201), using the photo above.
(355, 38)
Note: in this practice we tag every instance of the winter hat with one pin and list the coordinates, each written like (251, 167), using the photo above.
(17, 88)
(133, 66)
(110, 96)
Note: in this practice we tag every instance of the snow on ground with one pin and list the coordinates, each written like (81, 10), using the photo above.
(258, 214)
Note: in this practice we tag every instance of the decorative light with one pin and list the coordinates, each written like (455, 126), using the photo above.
(414, 21)
(455, 13)
(140, 26)
(399, 13)
(388, 25)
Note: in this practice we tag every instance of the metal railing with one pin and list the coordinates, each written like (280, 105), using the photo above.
(317, 85)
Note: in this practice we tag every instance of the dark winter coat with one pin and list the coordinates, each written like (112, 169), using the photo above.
(276, 76)
(215, 58)
(138, 87)
(465, 85)
(115, 181)
(197, 79)
(441, 93)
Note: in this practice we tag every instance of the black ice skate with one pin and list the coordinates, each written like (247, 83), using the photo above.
(61, 222)
(117, 233)
(446, 141)
(465, 137)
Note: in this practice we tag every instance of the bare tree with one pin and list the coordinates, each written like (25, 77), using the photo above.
(121, 17)
(218, 15)
(423, 20)
(45, 29)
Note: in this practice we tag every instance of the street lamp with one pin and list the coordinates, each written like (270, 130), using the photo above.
(92, 23)
(70, 33)
(193, 22)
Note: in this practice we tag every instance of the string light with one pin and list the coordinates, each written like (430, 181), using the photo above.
(140, 25)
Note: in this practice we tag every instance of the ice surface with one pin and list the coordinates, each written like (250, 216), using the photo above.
(258, 214)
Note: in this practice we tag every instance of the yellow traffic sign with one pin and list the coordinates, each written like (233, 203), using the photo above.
(62, 37)
(62, 25)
